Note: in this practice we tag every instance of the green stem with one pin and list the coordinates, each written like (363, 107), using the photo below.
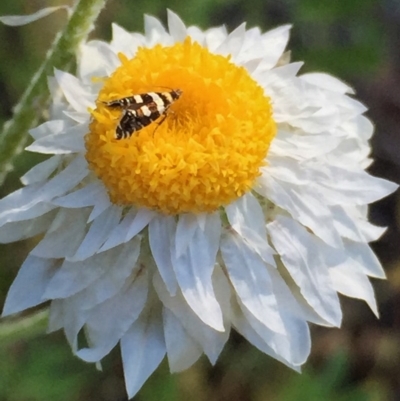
(35, 99)
(23, 328)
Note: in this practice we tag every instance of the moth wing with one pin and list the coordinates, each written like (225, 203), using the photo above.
(121, 103)
(135, 106)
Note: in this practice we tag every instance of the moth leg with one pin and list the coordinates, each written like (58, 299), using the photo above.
(166, 113)
(158, 123)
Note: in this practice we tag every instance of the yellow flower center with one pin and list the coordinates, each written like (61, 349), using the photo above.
(209, 149)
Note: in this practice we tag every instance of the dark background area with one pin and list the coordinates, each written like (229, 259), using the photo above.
(358, 41)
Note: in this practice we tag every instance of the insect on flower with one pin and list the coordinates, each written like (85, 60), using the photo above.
(141, 110)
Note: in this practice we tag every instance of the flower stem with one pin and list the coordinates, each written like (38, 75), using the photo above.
(23, 328)
(35, 98)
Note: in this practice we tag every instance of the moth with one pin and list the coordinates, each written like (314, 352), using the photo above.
(139, 111)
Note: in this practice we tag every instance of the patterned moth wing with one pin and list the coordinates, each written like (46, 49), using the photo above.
(139, 111)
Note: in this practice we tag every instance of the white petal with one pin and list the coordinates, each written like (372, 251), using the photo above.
(18, 206)
(247, 218)
(275, 42)
(318, 119)
(249, 276)
(153, 25)
(194, 269)
(70, 316)
(18, 20)
(27, 203)
(291, 304)
(64, 236)
(118, 234)
(367, 260)
(124, 41)
(85, 196)
(67, 179)
(41, 171)
(215, 37)
(355, 187)
(111, 282)
(327, 82)
(59, 104)
(223, 292)
(131, 225)
(201, 220)
(73, 174)
(350, 281)
(161, 233)
(141, 220)
(74, 277)
(29, 213)
(210, 340)
(303, 256)
(303, 147)
(294, 346)
(287, 170)
(359, 127)
(346, 225)
(369, 231)
(56, 317)
(304, 205)
(28, 287)
(197, 35)
(69, 141)
(246, 330)
(312, 213)
(20, 230)
(49, 128)
(182, 350)
(109, 321)
(98, 233)
(77, 96)
(251, 65)
(17, 201)
(232, 45)
(77, 117)
(251, 47)
(96, 59)
(176, 27)
(102, 204)
(273, 81)
(142, 350)
(185, 229)
(155, 32)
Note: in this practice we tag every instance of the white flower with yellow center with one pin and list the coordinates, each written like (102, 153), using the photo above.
(245, 208)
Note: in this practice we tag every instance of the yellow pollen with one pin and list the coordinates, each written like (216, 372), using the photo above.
(209, 149)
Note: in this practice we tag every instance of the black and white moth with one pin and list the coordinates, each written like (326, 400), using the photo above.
(139, 111)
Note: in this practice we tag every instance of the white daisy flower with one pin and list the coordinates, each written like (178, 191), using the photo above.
(243, 206)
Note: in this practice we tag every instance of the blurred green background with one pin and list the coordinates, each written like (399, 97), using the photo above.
(357, 40)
